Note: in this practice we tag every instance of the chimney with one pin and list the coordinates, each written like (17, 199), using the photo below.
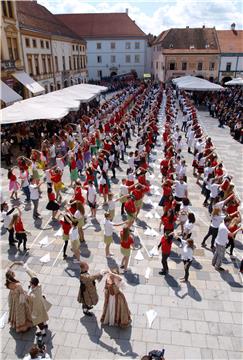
(233, 26)
(203, 26)
(187, 27)
(127, 11)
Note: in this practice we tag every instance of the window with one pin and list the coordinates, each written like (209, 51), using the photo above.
(184, 66)
(10, 10)
(27, 42)
(73, 47)
(42, 44)
(30, 65)
(63, 63)
(15, 48)
(70, 63)
(7, 9)
(76, 47)
(137, 58)
(47, 44)
(37, 69)
(34, 43)
(128, 58)
(12, 48)
(137, 45)
(199, 66)
(228, 66)
(98, 45)
(113, 59)
(128, 45)
(211, 66)
(44, 64)
(74, 62)
(49, 64)
(56, 63)
(172, 66)
(113, 45)
(99, 59)
(99, 73)
(157, 65)
(78, 63)
(81, 62)
(4, 9)
(80, 48)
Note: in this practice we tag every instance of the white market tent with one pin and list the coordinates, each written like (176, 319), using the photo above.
(50, 106)
(182, 79)
(236, 81)
(193, 83)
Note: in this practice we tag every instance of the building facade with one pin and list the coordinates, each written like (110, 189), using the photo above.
(11, 50)
(53, 54)
(115, 44)
(180, 52)
(231, 54)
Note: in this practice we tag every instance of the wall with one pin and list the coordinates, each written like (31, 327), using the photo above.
(119, 66)
(236, 61)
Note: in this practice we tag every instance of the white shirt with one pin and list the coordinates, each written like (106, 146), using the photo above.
(91, 194)
(78, 214)
(60, 163)
(48, 176)
(123, 190)
(188, 227)
(24, 178)
(131, 162)
(6, 218)
(52, 151)
(217, 220)
(186, 251)
(222, 237)
(34, 192)
(73, 234)
(111, 205)
(108, 227)
(180, 189)
(214, 190)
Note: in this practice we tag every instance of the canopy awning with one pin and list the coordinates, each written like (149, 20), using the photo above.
(236, 81)
(8, 95)
(50, 106)
(193, 83)
(29, 83)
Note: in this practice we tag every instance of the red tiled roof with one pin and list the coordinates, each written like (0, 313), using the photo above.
(33, 16)
(230, 41)
(102, 25)
(199, 38)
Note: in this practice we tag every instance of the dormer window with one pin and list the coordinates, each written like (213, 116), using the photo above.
(171, 46)
(192, 47)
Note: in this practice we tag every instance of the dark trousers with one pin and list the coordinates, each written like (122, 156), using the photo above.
(65, 247)
(21, 237)
(26, 191)
(10, 236)
(164, 262)
(122, 208)
(231, 244)
(212, 231)
(187, 264)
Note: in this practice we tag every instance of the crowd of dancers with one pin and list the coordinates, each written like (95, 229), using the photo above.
(92, 149)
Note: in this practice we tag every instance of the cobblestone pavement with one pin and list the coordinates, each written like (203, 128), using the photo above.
(198, 320)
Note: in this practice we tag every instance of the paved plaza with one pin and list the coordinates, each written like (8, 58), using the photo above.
(198, 320)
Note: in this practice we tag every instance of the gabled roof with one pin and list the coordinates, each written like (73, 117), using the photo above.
(102, 25)
(189, 38)
(230, 41)
(35, 17)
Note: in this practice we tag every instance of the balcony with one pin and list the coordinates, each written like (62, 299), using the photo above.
(8, 65)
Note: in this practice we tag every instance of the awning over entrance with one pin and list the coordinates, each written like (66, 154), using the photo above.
(29, 83)
(8, 95)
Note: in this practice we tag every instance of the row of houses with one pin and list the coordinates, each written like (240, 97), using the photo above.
(42, 52)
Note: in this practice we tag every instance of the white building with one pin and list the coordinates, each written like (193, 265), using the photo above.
(53, 54)
(231, 57)
(115, 44)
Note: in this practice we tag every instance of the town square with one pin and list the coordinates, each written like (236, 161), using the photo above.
(121, 180)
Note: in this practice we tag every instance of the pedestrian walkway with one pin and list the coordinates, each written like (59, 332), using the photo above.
(198, 320)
